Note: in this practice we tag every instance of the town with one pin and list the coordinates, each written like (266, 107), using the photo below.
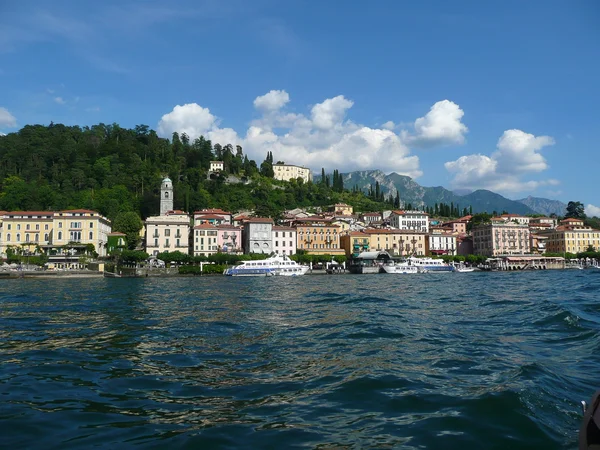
(83, 239)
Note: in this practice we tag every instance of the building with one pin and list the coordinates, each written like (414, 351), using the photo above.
(398, 242)
(523, 220)
(116, 241)
(537, 243)
(216, 166)
(571, 236)
(284, 240)
(257, 235)
(543, 223)
(410, 220)
(370, 217)
(318, 235)
(205, 239)
(168, 233)
(214, 215)
(166, 196)
(354, 243)
(442, 241)
(287, 172)
(341, 209)
(456, 226)
(24, 230)
(229, 238)
(501, 238)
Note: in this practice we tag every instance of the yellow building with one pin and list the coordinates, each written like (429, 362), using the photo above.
(287, 172)
(354, 243)
(571, 236)
(342, 209)
(80, 226)
(399, 242)
(24, 230)
(318, 236)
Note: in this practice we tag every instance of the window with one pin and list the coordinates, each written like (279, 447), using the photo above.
(167, 244)
(167, 232)
(18, 237)
(45, 236)
(9, 226)
(8, 237)
(91, 224)
(59, 225)
(18, 226)
(37, 237)
(276, 243)
(166, 195)
(26, 238)
(156, 242)
(91, 235)
(27, 227)
(60, 235)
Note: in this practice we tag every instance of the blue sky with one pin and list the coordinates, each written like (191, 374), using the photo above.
(500, 95)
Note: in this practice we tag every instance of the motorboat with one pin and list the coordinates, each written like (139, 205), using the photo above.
(401, 268)
(464, 269)
(276, 265)
(431, 264)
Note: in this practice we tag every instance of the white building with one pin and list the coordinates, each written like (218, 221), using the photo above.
(287, 172)
(205, 239)
(284, 240)
(523, 220)
(410, 220)
(168, 233)
(216, 166)
(442, 243)
(257, 235)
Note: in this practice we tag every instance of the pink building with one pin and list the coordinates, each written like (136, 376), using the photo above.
(284, 240)
(501, 238)
(229, 238)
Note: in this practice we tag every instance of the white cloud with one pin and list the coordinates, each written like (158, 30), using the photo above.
(191, 119)
(440, 126)
(517, 151)
(7, 119)
(592, 211)
(502, 171)
(322, 138)
(59, 100)
(271, 101)
(330, 113)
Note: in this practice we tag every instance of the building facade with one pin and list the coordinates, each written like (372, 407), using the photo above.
(354, 243)
(501, 238)
(318, 235)
(217, 166)
(168, 233)
(229, 238)
(257, 235)
(214, 215)
(284, 240)
(410, 220)
(442, 242)
(287, 172)
(571, 236)
(205, 239)
(398, 242)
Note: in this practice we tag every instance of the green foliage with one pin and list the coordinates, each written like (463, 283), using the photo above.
(133, 256)
(575, 210)
(129, 223)
(478, 219)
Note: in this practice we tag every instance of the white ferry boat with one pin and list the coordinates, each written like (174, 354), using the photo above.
(430, 264)
(401, 267)
(274, 266)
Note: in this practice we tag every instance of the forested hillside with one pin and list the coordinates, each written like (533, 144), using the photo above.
(112, 169)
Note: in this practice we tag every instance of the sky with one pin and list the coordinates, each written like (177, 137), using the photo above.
(500, 95)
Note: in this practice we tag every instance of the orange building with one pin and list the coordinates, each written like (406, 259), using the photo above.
(317, 235)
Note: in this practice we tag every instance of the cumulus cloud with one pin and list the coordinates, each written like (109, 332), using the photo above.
(592, 211)
(324, 137)
(271, 101)
(440, 126)
(59, 100)
(7, 119)
(516, 155)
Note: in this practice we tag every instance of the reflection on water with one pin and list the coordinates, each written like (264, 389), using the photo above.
(488, 360)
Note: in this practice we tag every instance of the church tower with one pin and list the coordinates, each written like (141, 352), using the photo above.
(166, 196)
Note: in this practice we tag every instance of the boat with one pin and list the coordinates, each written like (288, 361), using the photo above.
(276, 265)
(402, 267)
(111, 275)
(464, 269)
(431, 265)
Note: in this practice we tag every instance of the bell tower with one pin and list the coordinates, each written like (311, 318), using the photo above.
(166, 196)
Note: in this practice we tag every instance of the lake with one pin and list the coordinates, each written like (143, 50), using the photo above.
(477, 360)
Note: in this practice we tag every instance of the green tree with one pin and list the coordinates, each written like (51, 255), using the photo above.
(575, 210)
(130, 224)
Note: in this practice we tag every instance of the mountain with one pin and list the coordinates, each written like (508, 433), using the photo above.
(545, 206)
(420, 196)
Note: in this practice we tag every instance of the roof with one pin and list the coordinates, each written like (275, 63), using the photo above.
(357, 233)
(572, 219)
(313, 219)
(374, 255)
(259, 220)
(208, 216)
(226, 226)
(371, 214)
(116, 233)
(394, 231)
(79, 211)
(401, 213)
(204, 226)
(166, 179)
(28, 213)
(212, 211)
(176, 212)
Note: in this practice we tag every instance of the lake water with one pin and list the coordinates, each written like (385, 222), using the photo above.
(453, 361)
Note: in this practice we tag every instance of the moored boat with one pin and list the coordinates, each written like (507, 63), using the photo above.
(401, 268)
(273, 266)
(430, 264)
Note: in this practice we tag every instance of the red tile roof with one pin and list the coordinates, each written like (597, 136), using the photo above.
(212, 211)
(259, 220)
(205, 226)
(208, 216)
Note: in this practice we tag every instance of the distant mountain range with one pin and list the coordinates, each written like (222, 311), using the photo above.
(419, 196)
